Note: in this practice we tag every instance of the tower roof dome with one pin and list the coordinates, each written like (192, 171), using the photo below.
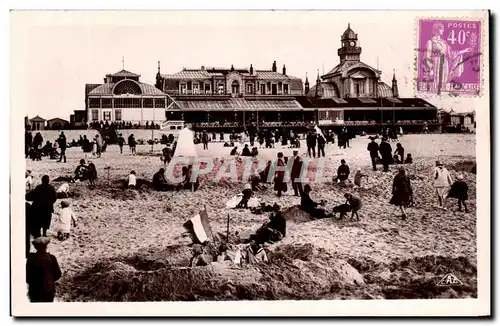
(349, 34)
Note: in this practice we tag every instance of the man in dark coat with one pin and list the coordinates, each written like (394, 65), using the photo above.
(204, 139)
(62, 146)
(44, 196)
(311, 144)
(385, 150)
(28, 142)
(373, 149)
(42, 271)
(295, 174)
(321, 146)
(86, 147)
(38, 140)
(121, 142)
(29, 227)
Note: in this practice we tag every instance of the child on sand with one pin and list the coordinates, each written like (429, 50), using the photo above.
(358, 176)
(459, 190)
(355, 204)
(409, 159)
(92, 174)
(132, 180)
(64, 220)
(247, 194)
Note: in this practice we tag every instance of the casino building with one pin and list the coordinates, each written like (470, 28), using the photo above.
(351, 93)
(214, 98)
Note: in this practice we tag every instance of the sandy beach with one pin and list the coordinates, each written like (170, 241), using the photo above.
(380, 256)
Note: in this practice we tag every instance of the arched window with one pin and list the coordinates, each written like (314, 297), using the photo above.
(127, 87)
(235, 87)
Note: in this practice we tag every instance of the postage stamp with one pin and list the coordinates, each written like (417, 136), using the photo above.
(449, 57)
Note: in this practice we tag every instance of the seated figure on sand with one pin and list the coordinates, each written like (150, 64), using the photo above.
(409, 159)
(234, 151)
(246, 151)
(199, 258)
(342, 172)
(310, 206)
(81, 171)
(272, 231)
(132, 180)
(247, 194)
(159, 181)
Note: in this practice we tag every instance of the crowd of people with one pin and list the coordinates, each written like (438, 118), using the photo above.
(42, 268)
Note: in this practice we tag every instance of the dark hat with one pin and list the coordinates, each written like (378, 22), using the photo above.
(41, 242)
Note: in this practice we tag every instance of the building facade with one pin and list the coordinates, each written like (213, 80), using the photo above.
(124, 98)
(351, 93)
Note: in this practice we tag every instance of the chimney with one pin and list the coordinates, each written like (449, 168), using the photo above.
(284, 70)
(274, 67)
(251, 69)
(202, 67)
(232, 68)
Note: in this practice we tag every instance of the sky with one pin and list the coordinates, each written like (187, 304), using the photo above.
(54, 54)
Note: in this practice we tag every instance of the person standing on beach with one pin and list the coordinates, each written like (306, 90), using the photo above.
(442, 183)
(132, 143)
(121, 141)
(401, 191)
(204, 139)
(373, 149)
(311, 144)
(459, 190)
(62, 146)
(279, 184)
(42, 271)
(295, 174)
(385, 150)
(44, 197)
(321, 146)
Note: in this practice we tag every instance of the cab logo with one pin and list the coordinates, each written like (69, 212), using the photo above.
(449, 280)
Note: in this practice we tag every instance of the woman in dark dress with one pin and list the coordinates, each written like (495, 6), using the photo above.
(400, 151)
(279, 184)
(310, 206)
(44, 196)
(401, 191)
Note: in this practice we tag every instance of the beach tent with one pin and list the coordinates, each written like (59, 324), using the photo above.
(318, 131)
(185, 145)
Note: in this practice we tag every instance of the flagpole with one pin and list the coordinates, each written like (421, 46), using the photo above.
(227, 229)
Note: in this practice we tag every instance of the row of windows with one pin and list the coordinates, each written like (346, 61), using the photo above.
(206, 88)
(106, 115)
(107, 103)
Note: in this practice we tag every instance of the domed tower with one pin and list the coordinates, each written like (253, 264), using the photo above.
(349, 51)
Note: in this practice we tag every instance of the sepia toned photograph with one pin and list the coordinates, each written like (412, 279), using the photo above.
(257, 159)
